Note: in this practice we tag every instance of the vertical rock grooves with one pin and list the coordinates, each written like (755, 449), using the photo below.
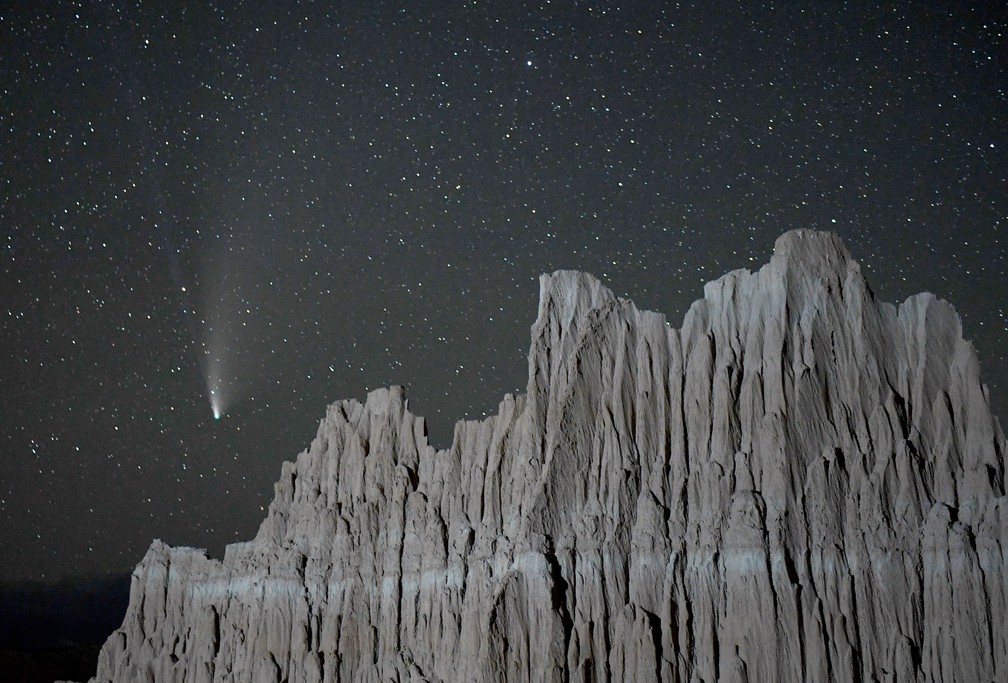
(800, 483)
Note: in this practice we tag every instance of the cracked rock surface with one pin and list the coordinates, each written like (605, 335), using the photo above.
(799, 483)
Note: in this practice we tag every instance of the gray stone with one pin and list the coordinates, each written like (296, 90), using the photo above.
(800, 483)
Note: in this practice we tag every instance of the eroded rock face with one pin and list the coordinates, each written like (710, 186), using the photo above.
(801, 483)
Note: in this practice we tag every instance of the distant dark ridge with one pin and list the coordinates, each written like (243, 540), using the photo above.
(78, 611)
(73, 663)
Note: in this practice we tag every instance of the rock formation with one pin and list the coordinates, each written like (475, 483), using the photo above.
(800, 483)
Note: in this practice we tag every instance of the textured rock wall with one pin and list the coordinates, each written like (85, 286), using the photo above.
(800, 483)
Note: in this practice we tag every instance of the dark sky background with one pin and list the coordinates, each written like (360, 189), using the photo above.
(293, 204)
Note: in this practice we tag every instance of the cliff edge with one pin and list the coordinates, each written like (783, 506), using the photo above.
(799, 483)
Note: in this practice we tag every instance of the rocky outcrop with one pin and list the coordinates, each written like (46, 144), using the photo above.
(800, 483)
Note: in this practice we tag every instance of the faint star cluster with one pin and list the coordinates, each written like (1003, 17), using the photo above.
(307, 201)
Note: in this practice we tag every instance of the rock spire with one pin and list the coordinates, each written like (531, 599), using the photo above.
(799, 483)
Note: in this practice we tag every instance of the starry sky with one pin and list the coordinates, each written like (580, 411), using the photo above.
(289, 204)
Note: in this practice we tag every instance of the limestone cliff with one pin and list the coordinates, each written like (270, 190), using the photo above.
(800, 483)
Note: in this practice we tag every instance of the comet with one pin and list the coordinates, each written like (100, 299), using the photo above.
(229, 335)
(218, 358)
(214, 384)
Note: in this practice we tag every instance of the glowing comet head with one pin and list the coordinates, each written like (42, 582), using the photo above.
(216, 403)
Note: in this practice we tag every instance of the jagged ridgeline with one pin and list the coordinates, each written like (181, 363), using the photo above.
(800, 483)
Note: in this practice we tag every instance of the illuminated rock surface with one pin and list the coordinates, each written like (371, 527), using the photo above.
(801, 483)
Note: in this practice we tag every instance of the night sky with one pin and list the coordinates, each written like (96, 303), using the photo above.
(289, 205)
